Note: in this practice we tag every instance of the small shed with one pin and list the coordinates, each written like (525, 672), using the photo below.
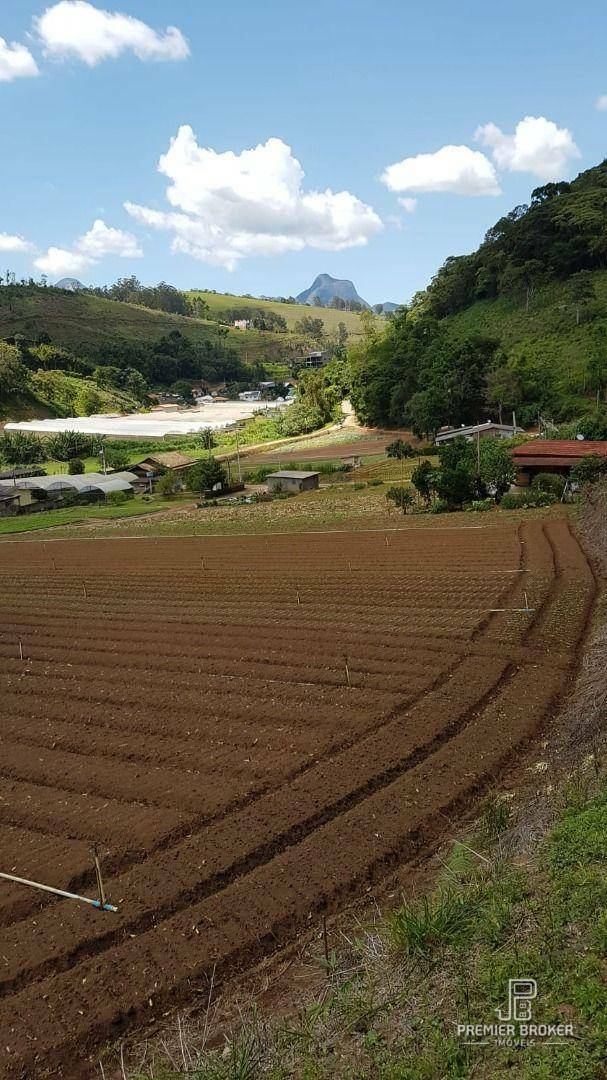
(292, 482)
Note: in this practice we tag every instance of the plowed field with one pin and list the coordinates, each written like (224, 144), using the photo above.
(251, 729)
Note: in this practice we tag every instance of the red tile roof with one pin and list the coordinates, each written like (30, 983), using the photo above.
(556, 451)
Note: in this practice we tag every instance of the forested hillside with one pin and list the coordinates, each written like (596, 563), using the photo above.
(519, 324)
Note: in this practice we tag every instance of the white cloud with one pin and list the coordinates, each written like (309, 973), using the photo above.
(538, 146)
(601, 103)
(87, 250)
(60, 261)
(75, 28)
(16, 62)
(230, 206)
(455, 169)
(408, 204)
(14, 243)
(102, 239)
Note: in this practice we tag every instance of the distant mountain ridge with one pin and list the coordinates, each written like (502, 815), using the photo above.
(327, 288)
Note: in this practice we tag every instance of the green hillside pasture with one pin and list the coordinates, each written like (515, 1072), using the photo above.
(78, 320)
(290, 312)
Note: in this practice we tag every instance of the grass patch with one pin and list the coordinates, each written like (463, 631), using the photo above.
(392, 1002)
(51, 519)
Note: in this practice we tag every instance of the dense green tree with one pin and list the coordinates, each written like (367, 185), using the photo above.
(423, 478)
(497, 469)
(14, 376)
(205, 475)
(310, 327)
(581, 291)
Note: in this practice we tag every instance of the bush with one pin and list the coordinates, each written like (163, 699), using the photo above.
(526, 500)
(257, 476)
(75, 466)
(166, 484)
(481, 505)
(116, 498)
(439, 506)
(550, 483)
(589, 469)
(401, 497)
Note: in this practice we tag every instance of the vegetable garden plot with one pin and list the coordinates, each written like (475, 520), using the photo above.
(251, 729)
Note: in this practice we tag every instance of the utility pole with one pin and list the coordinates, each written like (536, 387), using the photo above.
(238, 458)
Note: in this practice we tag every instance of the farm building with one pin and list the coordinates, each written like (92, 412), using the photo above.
(291, 483)
(34, 489)
(155, 465)
(476, 431)
(552, 455)
(21, 470)
(9, 501)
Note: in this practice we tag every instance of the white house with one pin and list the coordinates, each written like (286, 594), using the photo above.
(478, 431)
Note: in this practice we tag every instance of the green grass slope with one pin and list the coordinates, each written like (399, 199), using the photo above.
(290, 312)
(78, 319)
(546, 335)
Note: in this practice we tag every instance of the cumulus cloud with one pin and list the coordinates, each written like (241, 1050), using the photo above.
(88, 249)
(408, 204)
(56, 262)
(14, 243)
(455, 169)
(601, 103)
(229, 206)
(538, 146)
(16, 62)
(75, 28)
(102, 239)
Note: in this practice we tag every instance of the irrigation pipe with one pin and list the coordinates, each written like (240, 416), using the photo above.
(60, 892)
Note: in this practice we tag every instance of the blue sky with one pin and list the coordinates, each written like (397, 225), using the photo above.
(351, 87)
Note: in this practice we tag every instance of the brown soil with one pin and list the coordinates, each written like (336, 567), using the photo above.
(186, 703)
(373, 443)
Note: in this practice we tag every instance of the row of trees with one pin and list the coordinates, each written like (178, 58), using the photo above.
(160, 297)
